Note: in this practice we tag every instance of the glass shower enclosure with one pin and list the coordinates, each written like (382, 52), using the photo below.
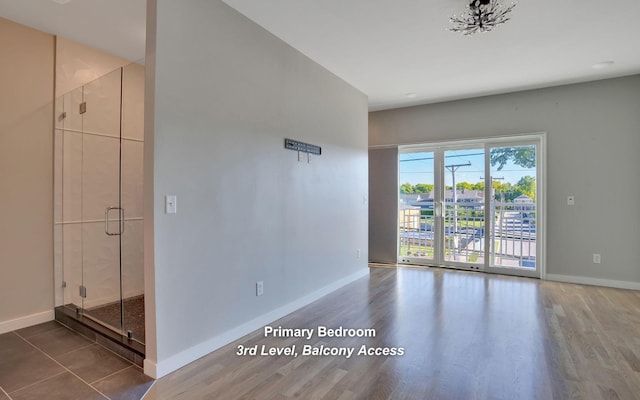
(99, 142)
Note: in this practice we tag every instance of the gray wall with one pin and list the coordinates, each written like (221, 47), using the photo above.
(383, 192)
(227, 93)
(26, 176)
(593, 147)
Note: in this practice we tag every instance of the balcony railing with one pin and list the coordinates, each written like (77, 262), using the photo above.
(511, 238)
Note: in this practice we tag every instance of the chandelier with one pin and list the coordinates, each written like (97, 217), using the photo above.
(481, 16)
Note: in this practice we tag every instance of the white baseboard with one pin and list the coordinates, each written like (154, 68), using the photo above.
(150, 368)
(28, 320)
(159, 369)
(583, 280)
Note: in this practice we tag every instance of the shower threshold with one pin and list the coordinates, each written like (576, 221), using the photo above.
(88, 326)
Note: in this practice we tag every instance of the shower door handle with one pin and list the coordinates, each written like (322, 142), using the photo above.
(120, 220)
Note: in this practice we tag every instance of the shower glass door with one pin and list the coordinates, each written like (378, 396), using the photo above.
(101, 200)
(99, 150)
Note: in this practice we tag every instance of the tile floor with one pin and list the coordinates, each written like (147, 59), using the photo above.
(50, 361)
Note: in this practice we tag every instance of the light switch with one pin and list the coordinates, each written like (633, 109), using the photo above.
(171, 206)
(570, 201)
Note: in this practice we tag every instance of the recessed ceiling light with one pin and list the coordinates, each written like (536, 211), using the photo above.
(411, 95)
(602, 65)
(61, 1)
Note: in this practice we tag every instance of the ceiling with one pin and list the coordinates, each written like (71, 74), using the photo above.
(389, 48)
(114, 26)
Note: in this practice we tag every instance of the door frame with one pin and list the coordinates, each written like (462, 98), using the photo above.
(438, 148)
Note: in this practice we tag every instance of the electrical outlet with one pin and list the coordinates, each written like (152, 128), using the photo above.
(358, 253)
(571, 201)
(259, 288)
(596, 258)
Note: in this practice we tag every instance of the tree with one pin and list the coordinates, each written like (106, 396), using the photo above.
(501, 187)
(527, 186)
(406, 188)
(524, 156)
(502, 191)
(423, 188)
(464, 186)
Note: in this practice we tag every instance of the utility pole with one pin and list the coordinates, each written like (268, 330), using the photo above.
(453, 168)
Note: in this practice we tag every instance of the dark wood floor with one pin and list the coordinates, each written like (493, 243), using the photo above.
(465, 336)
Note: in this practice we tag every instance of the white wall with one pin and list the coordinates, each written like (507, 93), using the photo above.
(26, 177)
(226, 95)
(593, 148)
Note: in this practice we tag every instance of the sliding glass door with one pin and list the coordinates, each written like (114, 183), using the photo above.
(417, 221)
(513, 206)
(462, 198)
(472, 205)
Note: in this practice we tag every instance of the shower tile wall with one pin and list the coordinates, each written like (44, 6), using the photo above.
(133, 102)
(87, 166)
(103, 114)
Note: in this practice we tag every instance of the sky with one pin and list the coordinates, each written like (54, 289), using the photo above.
(421, 170)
